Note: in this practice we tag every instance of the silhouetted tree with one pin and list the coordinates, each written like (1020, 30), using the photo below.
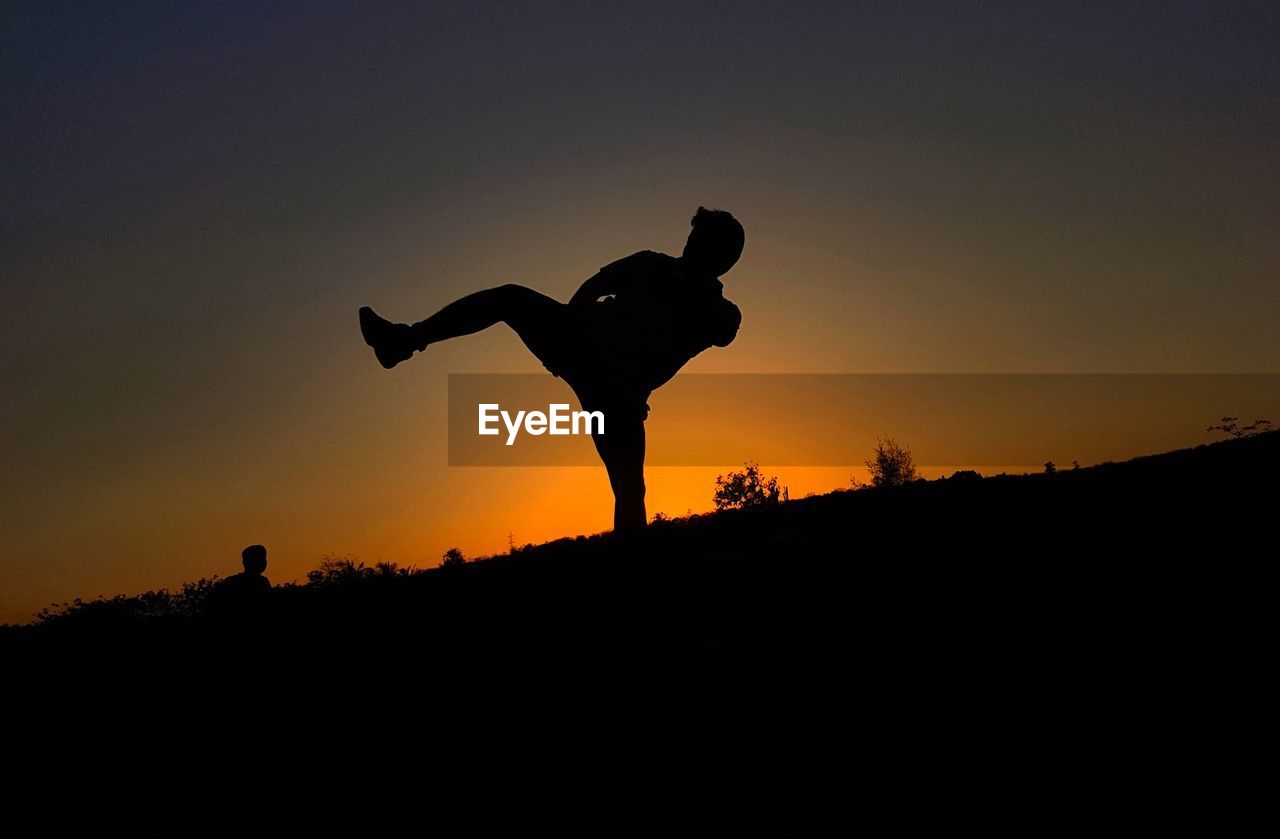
(452, 558)
(892, 464)
(1050, 467)
(338, 569)
(1231, 426)
(748, 488)
(391, 569)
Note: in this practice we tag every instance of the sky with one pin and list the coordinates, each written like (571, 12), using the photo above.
(197, 197)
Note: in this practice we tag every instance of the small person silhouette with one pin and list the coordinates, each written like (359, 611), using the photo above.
(250, 584)
(627, 331)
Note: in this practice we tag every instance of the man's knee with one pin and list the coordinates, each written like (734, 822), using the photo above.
(511, 293)
(529, 312)
(504, 297)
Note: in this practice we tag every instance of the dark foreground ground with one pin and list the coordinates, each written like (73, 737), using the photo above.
(1033, 648)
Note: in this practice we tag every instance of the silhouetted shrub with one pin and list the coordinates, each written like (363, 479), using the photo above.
(891, 465)
(192, 599)
(452, 558)
(391, 569)
(748, 488)
(1050, 467)
(1232, 427)
(338, 569)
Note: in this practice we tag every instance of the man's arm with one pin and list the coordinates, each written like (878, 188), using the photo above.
(613, 278)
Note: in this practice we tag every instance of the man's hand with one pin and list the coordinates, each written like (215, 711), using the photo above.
(601, 285)
(726, 320)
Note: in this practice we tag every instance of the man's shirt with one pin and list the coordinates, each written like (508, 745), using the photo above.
(658, 318)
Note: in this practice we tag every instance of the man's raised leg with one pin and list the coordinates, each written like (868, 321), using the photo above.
(532, 315)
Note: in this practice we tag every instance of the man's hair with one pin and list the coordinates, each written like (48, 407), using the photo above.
(254, 556)
(720, 237)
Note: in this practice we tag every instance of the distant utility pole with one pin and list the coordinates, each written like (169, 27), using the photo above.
(511, 542)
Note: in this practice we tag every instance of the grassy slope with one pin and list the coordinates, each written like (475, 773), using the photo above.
(1050, 637)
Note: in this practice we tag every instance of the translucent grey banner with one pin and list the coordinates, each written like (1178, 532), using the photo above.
(834, 419)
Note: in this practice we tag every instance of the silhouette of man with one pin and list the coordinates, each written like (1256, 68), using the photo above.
(249, 584)
(623, 334)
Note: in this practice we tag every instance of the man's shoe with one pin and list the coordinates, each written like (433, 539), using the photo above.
(392, 342)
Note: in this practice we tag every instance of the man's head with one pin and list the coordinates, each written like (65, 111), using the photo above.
(255, 559)
(715, 243)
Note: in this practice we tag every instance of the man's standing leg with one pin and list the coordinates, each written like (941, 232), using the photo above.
(621, 448)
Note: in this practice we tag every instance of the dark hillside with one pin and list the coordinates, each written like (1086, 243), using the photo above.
(1047, 642)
